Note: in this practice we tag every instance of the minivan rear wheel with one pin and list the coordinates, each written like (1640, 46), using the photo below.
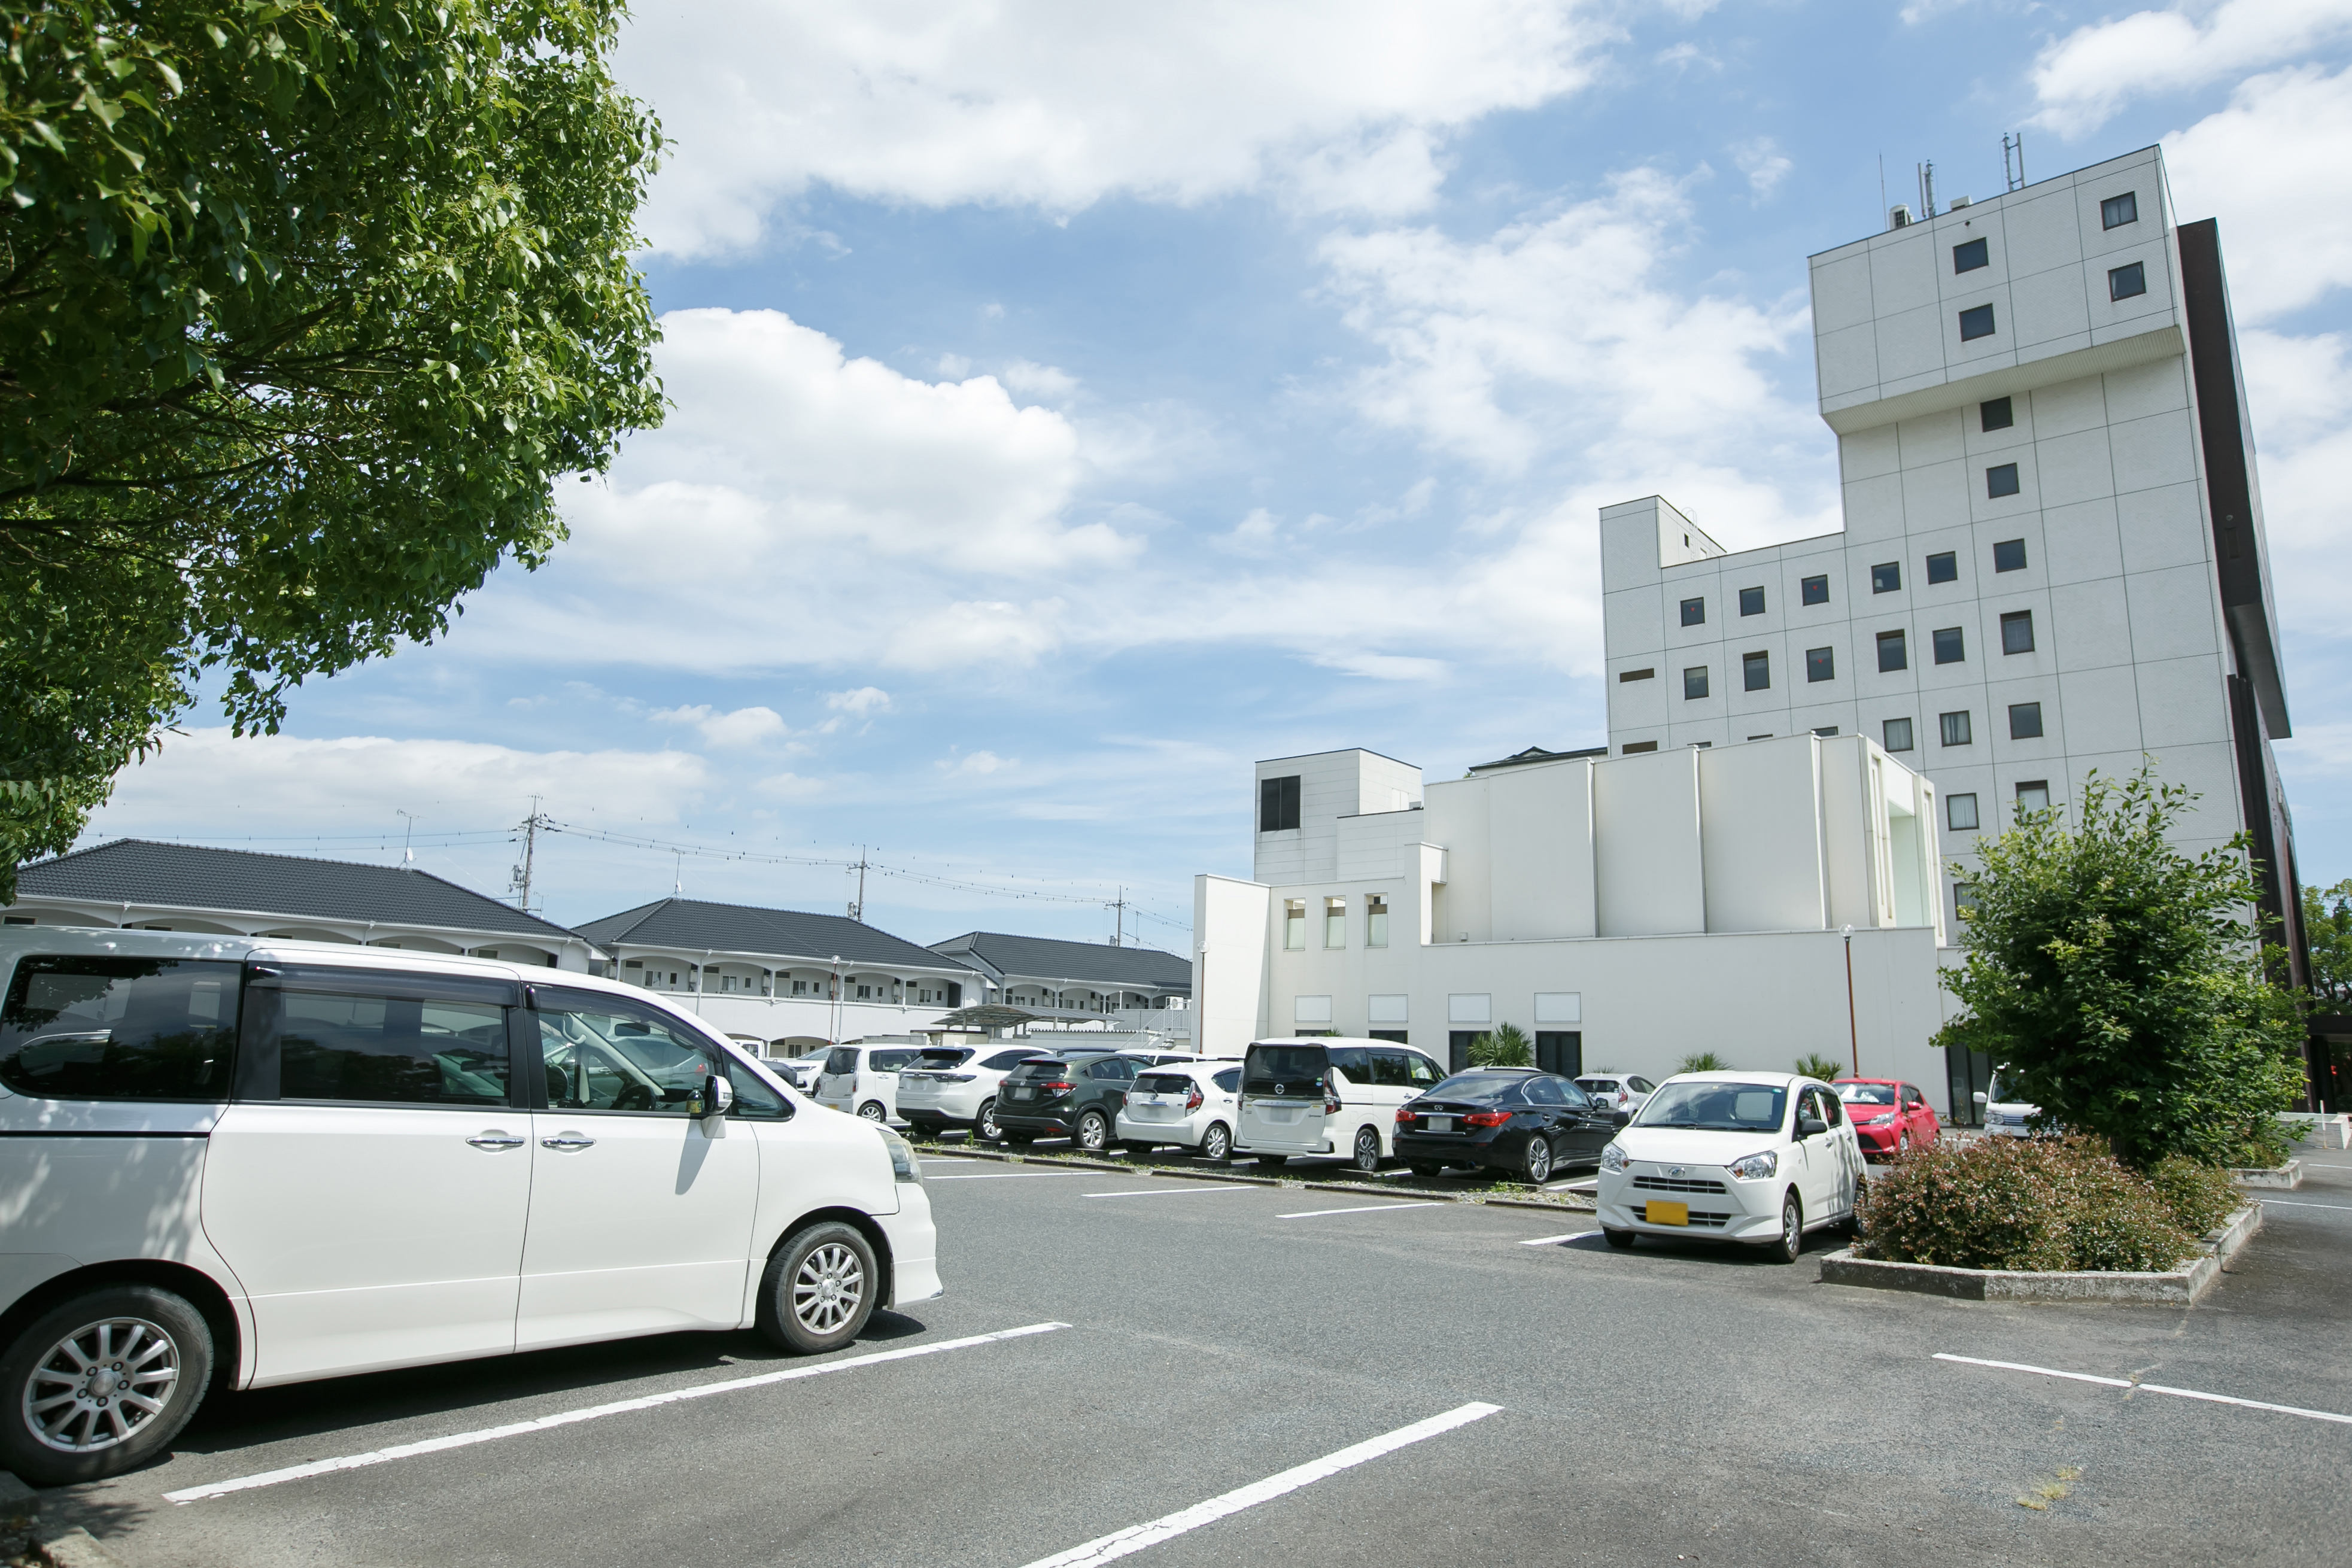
(100, 1384)
(819, 1289)
(872, 1112)
(1368, 1151)
(1273, 1161)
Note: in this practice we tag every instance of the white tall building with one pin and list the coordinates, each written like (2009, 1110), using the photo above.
(2052, 558)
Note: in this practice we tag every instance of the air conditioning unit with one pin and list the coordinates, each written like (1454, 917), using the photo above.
(1898, 216)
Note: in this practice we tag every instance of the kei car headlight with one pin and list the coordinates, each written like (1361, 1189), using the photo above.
(1756, 1167)
(1614, 1158)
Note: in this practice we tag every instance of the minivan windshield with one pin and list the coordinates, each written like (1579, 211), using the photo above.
(1717, 1107)
(1284, 1069)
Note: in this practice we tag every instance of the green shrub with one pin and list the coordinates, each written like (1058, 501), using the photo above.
(2265, 1145)
(1827, 1068)
(2200, 1196)
(2039, 1205)
(1704, 1061)
(1506, 1047)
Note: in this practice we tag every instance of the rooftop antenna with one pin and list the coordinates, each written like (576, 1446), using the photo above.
(1927, 189)
(2012, 159)
(408, 856)
(677, 872)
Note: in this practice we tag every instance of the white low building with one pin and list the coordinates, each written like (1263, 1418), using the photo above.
(1625, 912)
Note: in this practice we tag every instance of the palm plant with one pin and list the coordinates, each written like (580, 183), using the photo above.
(1704, 1061)
(1506, 1046)
(1816, 1065)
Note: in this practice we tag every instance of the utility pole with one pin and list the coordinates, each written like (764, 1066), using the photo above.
(857, 910)
(407, 854)
(1853, 1027)
(1118, 928)
(521, 881)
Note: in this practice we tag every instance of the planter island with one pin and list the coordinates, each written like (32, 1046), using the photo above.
(2177, 1287)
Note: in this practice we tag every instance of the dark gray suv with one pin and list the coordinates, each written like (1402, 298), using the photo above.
(1066, 1094)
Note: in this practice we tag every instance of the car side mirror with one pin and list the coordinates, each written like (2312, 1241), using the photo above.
(718, 1096)
(1619, 1117)
(1809, 1125)
(1979, 1096)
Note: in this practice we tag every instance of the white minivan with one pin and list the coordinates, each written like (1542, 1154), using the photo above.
(236, 1162)
(1328, 1096)
(863, 1079)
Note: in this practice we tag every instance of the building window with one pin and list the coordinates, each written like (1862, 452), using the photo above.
(1898, 734)
(1971, 255)
(1624, 675)
(1693, 612)
(1376, 920)
(2000, 481)
(1278, 804)
(1294, 925)
(1893, 652)
(1821, 664)
(2117, 211)
(1960, 813)
(1751, 601)
(1757, 668)
(2017, 632)
(1334, 923)
(1951, 647)
(1759, 737)
(1963, 901)
(1996, 414)
(2033, 795)
(2123, 282)
(1638, 746)
(2008, 555)
(2025, 721)
(1956, 728)
(1816, 590)
(1694, 682)
(1944, 566)
(1826, 731)
(1976, 323)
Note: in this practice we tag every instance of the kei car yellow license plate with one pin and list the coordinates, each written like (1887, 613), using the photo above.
(1659, 1213)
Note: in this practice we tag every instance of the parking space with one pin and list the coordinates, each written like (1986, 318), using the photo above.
(1120, 1357)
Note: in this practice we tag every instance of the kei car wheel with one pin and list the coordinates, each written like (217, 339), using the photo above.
(983, 1127)
(1093, 1133)
(1622, 1240)
(101, 1383)
(1791, 1246)
(819, 1289)
(1368, 1151)
(1538, 1159)
(872, 1112)
(1273, 1161)
(1217, 1144)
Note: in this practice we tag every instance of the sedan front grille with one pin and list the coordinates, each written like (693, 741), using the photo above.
(1677, 1184)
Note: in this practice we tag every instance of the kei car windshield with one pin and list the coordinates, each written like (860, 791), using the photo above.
(1717, 1107)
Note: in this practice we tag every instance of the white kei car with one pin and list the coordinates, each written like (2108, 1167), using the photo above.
(1618, 1090)
(863, 1079)
(241, 1162)
(955, 1086)
(2005, 1118)
(1191, 1103)
(1758, 1157)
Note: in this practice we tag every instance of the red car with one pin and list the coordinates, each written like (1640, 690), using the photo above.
(1888, 1117)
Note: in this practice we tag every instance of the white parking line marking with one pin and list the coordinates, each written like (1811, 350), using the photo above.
(1554, 1240)
(1003, 1175)
(2297, 1204)
(1176, 1189)
(571, 1417)
(2151, 1388)
(1136, 1537)
(1368, 1209)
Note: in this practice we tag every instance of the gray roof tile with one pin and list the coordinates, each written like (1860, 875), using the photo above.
(1092, 963)
(691, 925)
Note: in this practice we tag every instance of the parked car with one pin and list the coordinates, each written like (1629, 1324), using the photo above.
(1331, 1096)
(801, 1072)
(1732, 1156)
(1189, 1103)
(245, 1162)
(2004, 1117)
(955, 1086)
(1889, 1116)
(1069, 1094)
(863, 1079)
(1619, 1091)
(1505, 1118)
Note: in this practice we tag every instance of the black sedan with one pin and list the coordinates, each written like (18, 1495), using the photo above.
(1506, 1118)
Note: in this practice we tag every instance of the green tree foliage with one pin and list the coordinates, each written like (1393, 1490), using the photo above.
(1827, 1068)
(2115, 981)
(2327, 924)
(1506, 1046)
(1704, 1061)
(303, 308)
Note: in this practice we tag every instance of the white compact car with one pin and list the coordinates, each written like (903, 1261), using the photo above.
(1732, 1156)
(955, 1086)
(258, 1162)
(1328, 1096)
(801, 1072)
(864, 1079)
(1191, 1103)
(2005, 1118)
(1618, 1091)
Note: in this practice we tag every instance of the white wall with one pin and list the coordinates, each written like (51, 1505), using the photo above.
(1233, 925)
(1647, 875)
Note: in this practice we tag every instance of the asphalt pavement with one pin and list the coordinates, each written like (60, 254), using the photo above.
(1191, 1373)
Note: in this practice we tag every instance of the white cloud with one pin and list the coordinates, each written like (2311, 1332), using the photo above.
(1340, 104)
(1763, 163)
(861, 701)
(2082, 78)
(1032, 380)
(2299, 392)
(980, 763)
(744, 727)
(2272, 167)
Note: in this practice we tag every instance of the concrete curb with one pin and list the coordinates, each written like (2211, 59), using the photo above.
(1581, 1205)
(2285, 1178)
(76, 1548)
(2180, 1287)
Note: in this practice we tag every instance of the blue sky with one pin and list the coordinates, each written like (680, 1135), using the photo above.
(1073, 403)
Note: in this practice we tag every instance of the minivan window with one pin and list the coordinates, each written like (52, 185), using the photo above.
(1356, 1062)
(608, 1054)
(1299, 1070)
(351, 1046)
(1403, 1070)
(841, 1059)
(79, 1027)
(890, 1061)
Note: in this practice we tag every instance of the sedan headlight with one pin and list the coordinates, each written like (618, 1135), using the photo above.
(1614, 1158)
(1756, 1167)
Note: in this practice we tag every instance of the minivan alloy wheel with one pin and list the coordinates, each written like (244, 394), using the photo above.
(872, 1112)
(1368, 1151)
(827, 1287)
(100, 1384)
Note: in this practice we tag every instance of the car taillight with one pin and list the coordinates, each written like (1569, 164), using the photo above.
(1058, 1087)
(1405, 1118)
(1485, 1119)
(1330, 1100)
(1193, 1098)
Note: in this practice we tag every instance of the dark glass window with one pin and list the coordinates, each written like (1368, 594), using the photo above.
(1751, 601)
(1356, 1062)
(1821, 664)
(2033, 795)
(1951, 647)
(1647, 673)
(92, 1028)
(2008, 555)
(2001, 479)
(1757, 668)
(1976, 322)
(1816, 590)
(1693, 612)
(1893, 652)
(1956, 728)
(2017, 632)
(1898, 734)
(1230, 1080)
(1969, 255)
(1694, 682)
(1886, 578)
(1960, 813)
(390, 1050)
(1944, 566)
(1632, 747)
(1996, 414)
(2025, 721)
(2117, 211)
(1826, 731)
(1277, 804)
(2124, 282)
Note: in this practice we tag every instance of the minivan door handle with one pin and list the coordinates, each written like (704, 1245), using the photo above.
(568, 1141)
(496, 1139)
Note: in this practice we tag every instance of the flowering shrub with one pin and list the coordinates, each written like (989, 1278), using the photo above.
(2037, 1205)
(2200, 1196)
